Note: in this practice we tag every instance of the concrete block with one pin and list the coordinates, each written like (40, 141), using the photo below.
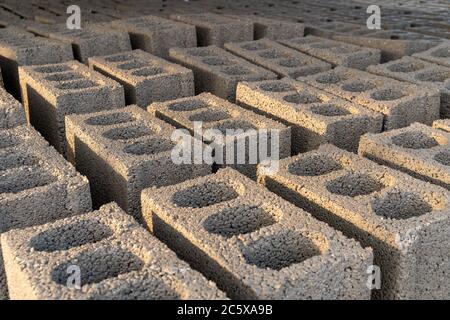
(425, 74)
(335, 52)
(11, 111)
(419, 150)
(315, 116)
(117, 260)
(273, 56)
(37, 184)
(50, 92)
(214, 113)
(218, 71)
(400, 103)
(329, 29)
(216, 30)
(146, 78)
(439, 54)
(156, 35)
(404, 220)
(4, 295)
(253, 244)
(443, 124)
(124, 151)
(23, 49)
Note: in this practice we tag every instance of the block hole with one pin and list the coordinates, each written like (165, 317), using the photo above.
(329, 110)
(233, 127)
(128, 133)
(406, 67)
(119, 58)
(201, 52)
(272, 54)
(387, 95)
(254, 46)
(204, 195)
(343, 50)
(217, 61)
(148, 72)
(15, 159)
(329, 78)
(149, 146)
(210, 116)
(441, 53)
(314, 165)
(76, 85)
(7, 140)
(291, 63)
(433, 76)
(235, 71)
(132, 65)
(414, 140)
(64, 77)
(443, 158)
(358, 86)
(301, 98)
(29, 178)
(276, 87)
(187, 105)
(110, 119)
(52, 69)
(400, 205)
(354, 184)
(323, 45)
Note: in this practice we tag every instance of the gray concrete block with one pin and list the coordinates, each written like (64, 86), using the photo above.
(12, 113)
(156, 35)
(439, 54)
(217, 114)
(218, 71)
(419, 150)
(146, 78)
(117, 259)
(400, 103)
(123, 151)
(315, 116)
(420, 72)
(404, 220)
(253, 244)
(280, 59)
(50, 92)
(216, 30)
(335, 52)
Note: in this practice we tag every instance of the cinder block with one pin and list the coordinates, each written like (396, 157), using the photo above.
(329, 29)
(272, 28)
(425, 74)
(124, 151)
(282, 60)
(4, 295)
(214, 29)
(218, 71)
(400, 103)
(439, 54)
(50, 92)
(156, 35)
(443, 124)
(253, 244)
(315, 116)
(419, 150)
(11, 111)
(37, 184)
(214, 113)
(404, 220)
(146, 78)
(115, 257)
(335, 52)
(23, 49)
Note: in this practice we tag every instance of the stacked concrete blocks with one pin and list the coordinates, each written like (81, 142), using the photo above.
(50, 92)
(335, 52)
(419, 150)
(214, 29)
(124, 151)
(315, 116)
(423, 73)
(405, 221)
(12, 113)
(117, 259)
(253, 244)
(146, 78)
(218, 71)
(439, 54)
(285, 62)
(227, 127)
(156, 35)
(400, 103)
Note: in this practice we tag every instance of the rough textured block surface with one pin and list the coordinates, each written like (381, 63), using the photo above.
(12, 113)
(124, 151)
(4, 295)
(280, 59)
(419, 150)
(156, 35)
(50, 92)
(425, 74)
(315, 116)
(214, 29)
(335, 52)
(253, 244)
(116, 258)
(443, 124)
(439, 54)
(146, 78)
(400, 103)
(218, 71)
(405, 220)
(214, 113)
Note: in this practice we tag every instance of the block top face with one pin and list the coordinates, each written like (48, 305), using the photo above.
(208, 19)
(136, 66)
(439, 54)
(213, 113)
(13, 33)
(148, 24)
(377, 92)
(218, 60)
(416, 71)
(443, 124)
(65, 79)
(278, 58)
(88, 34)
(376, 199)
(246, 229)
(140, 266)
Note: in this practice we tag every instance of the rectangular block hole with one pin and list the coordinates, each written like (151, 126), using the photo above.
(150, 146)
(76, 85)
(64, 77)
(24, 178)
(110, 119)
(14, 159)
(52, 69)
(127, 133)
